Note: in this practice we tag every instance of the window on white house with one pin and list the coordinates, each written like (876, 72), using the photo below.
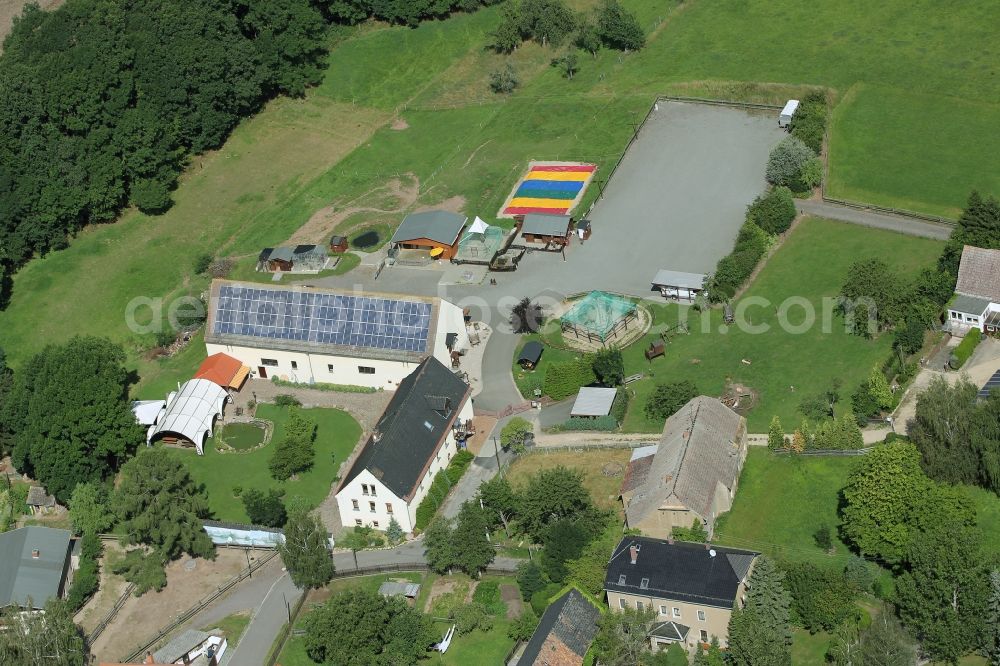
(354, 503)
(663, 610)
(701, 615)
(375, 524)
(366, 370)
(704, 636)
(388, 508)
(271, 362)
(371, 506)
(357, 522)
(364, 488)
(638, 605)
(677, 611)
(373, 490)
(622, 603)
(295, 365)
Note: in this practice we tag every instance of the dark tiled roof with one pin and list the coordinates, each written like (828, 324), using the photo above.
(673, 631)
(541, 224)
(531, 352)
(412, 427)
(680, 571)
(564, 633)
(440, 226)
(22, 575)
(636, 473)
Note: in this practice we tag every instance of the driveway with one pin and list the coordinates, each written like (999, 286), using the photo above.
(868, 218)
(266, 622)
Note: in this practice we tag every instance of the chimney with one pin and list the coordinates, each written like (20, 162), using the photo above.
(633, 553)
(149, 657)
(35, 553)
(670, 539)
(708, 546)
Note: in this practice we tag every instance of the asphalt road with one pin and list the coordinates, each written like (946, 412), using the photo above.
(266, 622)
(867, 218)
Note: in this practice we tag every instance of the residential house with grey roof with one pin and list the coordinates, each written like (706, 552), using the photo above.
(691, 475)
(692, 588)
(34, 564)
(564, 633)
(416, 437)
(976, 303)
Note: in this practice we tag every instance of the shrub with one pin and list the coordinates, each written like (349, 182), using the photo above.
(598, 424)
(513, 434)
(530, 579)
(201, 263)
(504, 80)
(773, 212)
(620, 406)
(286, 400)
(668, 398)
(524, 626)
(488, 594)
(265, 509)
(619, 28)
(785, 163)
(540, 600)
(440, 487)
(965, 348)
(735, 269)
(695, 533)
(564, 379)
(296, 451)
(144, 570)
(821, 598)
(472, 616)
(812, 173)
(809, 122)
(323, 386)
(86, 579)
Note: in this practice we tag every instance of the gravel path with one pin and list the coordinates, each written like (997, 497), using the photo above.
(867, 218)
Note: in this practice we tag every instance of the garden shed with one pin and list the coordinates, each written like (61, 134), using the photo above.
(530, 354)
(594, 401)
(429, 231)
(678, 285)
(550, 231)
(599, 316)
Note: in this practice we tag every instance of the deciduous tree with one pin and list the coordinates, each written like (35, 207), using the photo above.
(265, 509)
(609, 366)
(439, 545)
(622, 637)
(666, 399)
(306, 552)
(296, 451)
(619, 28)
(159, 504)
(69, 414)
(514, 433)
(552, 494)
(89, 509)
(884, 643)
(992, 645)
(48, 638)
(472, 546)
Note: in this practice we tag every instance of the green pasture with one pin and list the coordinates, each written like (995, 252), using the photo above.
(783, 365)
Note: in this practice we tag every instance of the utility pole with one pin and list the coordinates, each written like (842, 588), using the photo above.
(496, 452)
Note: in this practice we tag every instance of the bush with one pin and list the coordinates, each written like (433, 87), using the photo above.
(619, 408)
(530, 579)
(965, 348)
(513, 434)
(696, 533)
(504, 80)
(666, 399)
(821, 598)
(286, 400)
(440, 487)
(609, 367)
(540, 600)
(524, 626)
(296, 451)
(735, 269)
(809, 122)
(860, 574)
(619, 28)
(598, 424)
(837, 434)
(812, 174)
(773, 212)
(785, 163)
(144, 570)
(323, 386)
(265, 509)
(472, 616)
(564, 379)
(488, 594)
(86, 578)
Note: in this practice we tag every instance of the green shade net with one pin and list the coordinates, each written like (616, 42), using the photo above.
(598, 312)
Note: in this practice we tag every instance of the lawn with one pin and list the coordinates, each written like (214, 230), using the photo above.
(782, 501)
(337, 433)
(232, 627)
(812, 265)
(809, 649)
(603, 489)
(475, 648)
(528, 380)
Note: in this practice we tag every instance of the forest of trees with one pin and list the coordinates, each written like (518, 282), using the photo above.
(106, 100)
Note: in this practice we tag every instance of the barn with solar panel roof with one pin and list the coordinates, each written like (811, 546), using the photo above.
(309, 335)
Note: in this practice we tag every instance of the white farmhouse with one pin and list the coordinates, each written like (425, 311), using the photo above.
(415, 438)
(977, 295)
(309, 335)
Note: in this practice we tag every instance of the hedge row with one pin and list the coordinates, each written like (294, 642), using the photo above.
(620, 406)
(965, 348)
(734, 269)
(322, 386)
(442, 484)
(564, 379)
(601, 423)
(809, 122)
(87, 577)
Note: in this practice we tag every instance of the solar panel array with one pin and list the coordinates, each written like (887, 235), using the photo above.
(993, 383)
(322, 318)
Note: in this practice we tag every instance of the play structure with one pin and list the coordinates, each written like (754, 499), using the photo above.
(549, 187)
(479, 244)
(599, 316)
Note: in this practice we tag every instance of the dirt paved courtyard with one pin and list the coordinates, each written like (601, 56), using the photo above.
(142, 617)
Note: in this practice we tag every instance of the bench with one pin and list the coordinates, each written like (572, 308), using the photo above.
(633, 378)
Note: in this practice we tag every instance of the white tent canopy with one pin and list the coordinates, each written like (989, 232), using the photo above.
(478, 226)
(191, 412)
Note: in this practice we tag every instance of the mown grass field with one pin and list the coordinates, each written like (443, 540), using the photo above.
(811, 265)
(336, 145)
(336, 434)
(602, 488)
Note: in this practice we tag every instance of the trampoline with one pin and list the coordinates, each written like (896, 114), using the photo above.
(599, 315)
